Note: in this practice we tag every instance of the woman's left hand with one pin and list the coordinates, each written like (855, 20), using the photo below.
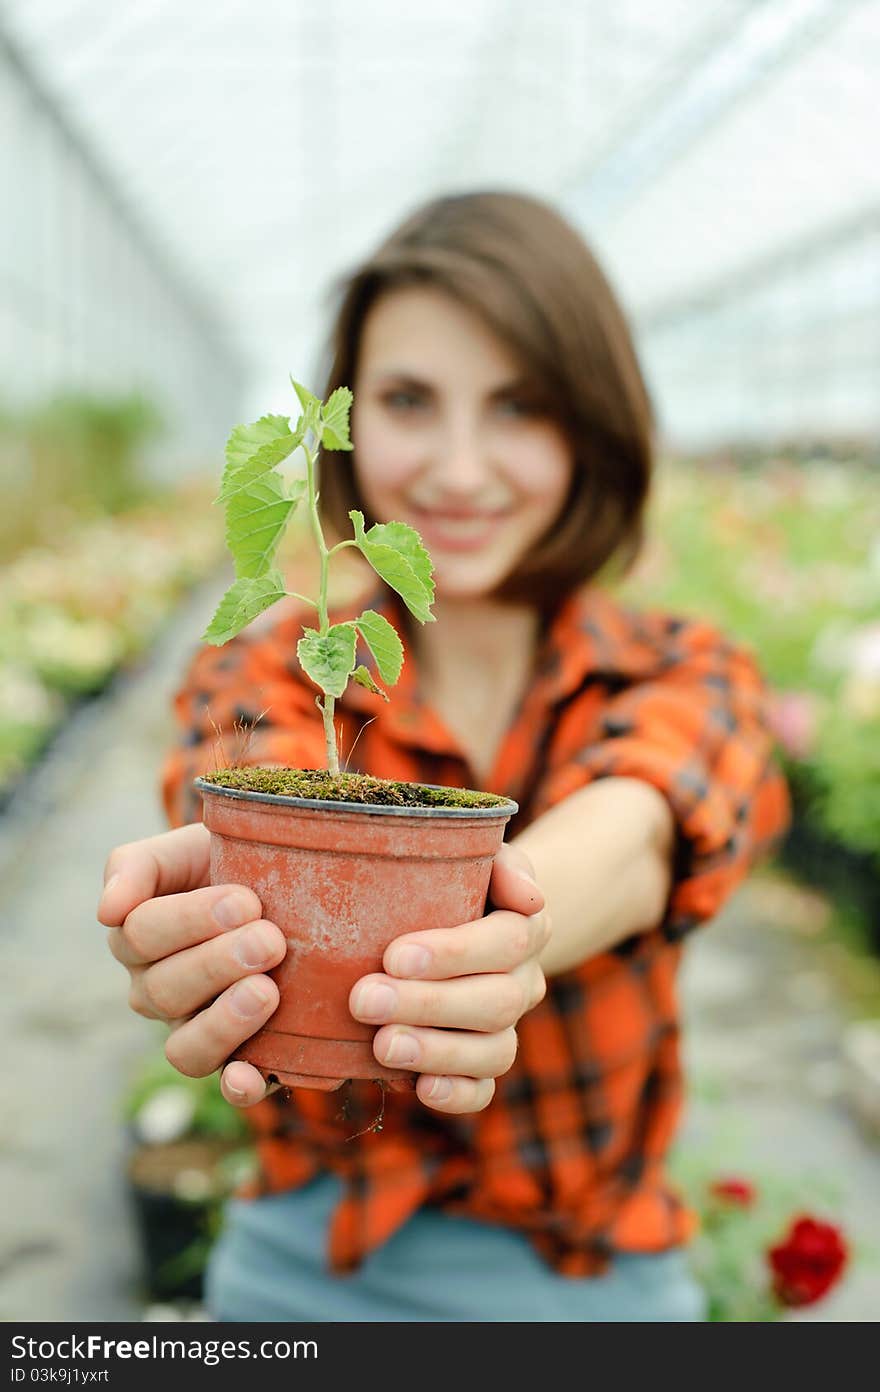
(450, 998)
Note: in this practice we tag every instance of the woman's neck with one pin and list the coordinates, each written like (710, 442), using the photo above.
(471, 639)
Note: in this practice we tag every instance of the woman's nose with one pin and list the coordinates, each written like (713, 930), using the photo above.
(464, 463)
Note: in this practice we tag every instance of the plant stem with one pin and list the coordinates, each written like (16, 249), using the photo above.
(340, 546)
(323, 620)
(330, 736)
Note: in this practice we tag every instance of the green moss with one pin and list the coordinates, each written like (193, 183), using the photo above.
(348, 787)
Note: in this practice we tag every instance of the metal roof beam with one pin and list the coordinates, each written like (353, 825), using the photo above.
(800, 252)
(705, 83)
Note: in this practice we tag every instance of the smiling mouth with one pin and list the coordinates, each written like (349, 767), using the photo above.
(457, 529)
(456, 515)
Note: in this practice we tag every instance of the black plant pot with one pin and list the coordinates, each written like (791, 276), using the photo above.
(848, 876)
(176, 1192)
(174, 1237)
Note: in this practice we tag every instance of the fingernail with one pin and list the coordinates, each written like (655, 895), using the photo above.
(255, 947)
(410, 961)
(234, 1092)
(114, 879)
(402, 1049)
(233, 911)
(374, 1002)
(441, 1090)
(249, 998)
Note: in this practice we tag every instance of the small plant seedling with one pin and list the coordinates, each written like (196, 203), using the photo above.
(260, 501)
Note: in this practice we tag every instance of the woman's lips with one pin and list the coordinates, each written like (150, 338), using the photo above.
(457, 529)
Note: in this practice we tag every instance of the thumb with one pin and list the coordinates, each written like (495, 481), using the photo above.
(513, 884)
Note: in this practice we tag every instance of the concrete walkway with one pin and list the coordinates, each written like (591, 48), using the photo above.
(763, 1044)
(66, 1245)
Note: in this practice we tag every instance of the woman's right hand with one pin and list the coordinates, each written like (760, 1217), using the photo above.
(195, 952)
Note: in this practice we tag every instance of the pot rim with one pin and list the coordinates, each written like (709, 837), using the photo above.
(508, 808)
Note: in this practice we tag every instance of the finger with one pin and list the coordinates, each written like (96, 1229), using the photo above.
(512, 884)
(200, 1046)
(496, 943)
(243, 1085)
(159, 927)
(170, 863)
(488, 1003)
(455, 1095)
(186, 981)
(446, 1051)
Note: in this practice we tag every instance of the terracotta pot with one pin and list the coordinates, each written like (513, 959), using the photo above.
(343, 880)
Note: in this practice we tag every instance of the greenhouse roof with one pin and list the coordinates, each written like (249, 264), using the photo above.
(265, 145)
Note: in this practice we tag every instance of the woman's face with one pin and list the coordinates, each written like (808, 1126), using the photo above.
(449, 438)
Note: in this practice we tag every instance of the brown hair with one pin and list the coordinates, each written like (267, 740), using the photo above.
(531, 278)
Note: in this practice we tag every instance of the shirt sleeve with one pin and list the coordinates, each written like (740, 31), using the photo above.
(238, 704)
(696, 729)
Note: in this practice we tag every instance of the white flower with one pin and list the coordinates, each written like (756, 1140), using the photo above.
(166, 1116)
(863, 657)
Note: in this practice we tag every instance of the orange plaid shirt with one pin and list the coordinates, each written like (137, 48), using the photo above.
(571, 1149)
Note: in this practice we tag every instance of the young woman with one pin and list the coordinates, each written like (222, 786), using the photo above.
(499, 410)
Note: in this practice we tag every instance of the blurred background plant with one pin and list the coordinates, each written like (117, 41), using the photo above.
(764, 1246)
(188, 1150)
(783, 553)
(95, 556)
(72, 456)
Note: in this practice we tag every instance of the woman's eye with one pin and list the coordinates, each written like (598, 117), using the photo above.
(402, 400)
(515, 406)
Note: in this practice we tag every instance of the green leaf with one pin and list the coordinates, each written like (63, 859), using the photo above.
(361, 675)
(334, 416)
(268, 440)
(242, 602)
(257, 514)
(396, 554)
(408, 542)
(311, 407)
(328, 660)
(383, 642)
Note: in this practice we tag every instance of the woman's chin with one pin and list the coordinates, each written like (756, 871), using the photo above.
(466, 582)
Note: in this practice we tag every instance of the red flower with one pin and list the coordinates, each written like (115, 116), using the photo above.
(734, 1191)
(807, 1262)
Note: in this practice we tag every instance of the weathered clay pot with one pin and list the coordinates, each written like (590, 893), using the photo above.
(342, 880)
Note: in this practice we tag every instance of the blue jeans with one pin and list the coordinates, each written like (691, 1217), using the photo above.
(270, 1264)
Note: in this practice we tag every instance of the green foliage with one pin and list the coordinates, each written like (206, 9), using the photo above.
(99, 438)
(845, 777)
(241, 604)
(252, 450)
(311, 417)
(785, 558)
(384, 644)
(361, 675)
(259, 504)
(72, 457)
(396, 554)
(335, 417)
(258, 510)
(729, 1254)
(328, 658)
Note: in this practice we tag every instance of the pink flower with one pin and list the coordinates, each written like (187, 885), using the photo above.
(794, 720)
